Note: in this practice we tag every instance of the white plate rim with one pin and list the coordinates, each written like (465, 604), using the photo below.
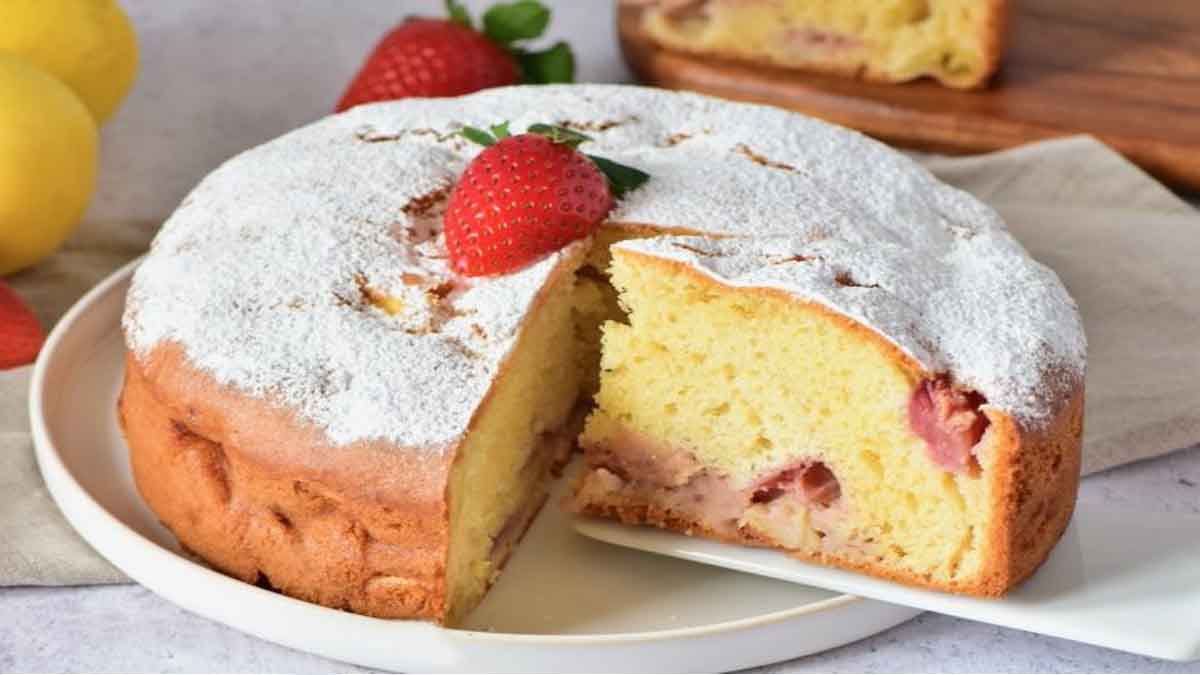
(79, 506)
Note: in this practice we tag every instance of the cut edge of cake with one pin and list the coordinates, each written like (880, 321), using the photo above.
(523, 432)
(1021, 480)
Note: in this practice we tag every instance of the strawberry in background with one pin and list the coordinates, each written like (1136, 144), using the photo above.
(449, 57)
(20, 334)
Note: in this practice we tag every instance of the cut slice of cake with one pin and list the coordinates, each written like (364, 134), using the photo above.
(861, 404)
(415, 524)
(316, 402)
(958, 42)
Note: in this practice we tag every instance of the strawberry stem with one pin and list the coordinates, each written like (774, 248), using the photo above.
(561, 135)
(478, 136)
(500, 131)
(458, 14)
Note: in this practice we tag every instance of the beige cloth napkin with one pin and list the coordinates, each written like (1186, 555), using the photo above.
(37, 546)
(1127, 248)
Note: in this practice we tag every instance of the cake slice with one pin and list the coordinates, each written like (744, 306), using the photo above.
(316, 402)
(371, 526)
(849, 402)
(958, 42)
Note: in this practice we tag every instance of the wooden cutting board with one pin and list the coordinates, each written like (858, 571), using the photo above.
(1126, 71)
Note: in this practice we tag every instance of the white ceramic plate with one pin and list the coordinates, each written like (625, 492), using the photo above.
(565, 603)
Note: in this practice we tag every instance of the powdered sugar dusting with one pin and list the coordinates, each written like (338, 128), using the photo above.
(275, 274)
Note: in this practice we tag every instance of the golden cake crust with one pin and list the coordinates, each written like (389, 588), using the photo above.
(263, 498)
(1034, 474)
(994, 36)
(1035, 483)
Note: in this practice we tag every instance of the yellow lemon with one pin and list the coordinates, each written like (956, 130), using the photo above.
(89, 44)
(47, 163)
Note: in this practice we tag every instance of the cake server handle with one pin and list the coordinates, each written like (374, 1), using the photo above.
(1126, 581)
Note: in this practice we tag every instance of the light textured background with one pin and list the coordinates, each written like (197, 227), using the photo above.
(219, 77)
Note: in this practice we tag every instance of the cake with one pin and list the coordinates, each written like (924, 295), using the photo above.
(859, 398)
(315, 402)
(958, 42)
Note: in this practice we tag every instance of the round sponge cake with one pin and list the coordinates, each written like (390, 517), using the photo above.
(315, 402)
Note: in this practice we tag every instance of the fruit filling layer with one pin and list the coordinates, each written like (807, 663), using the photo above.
(950, 422)
(814, 481)
(630, 469)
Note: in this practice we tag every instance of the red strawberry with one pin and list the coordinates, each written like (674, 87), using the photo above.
(949, 420)
(526, 196)
(447, 57)
(20, 335)
(430, 57)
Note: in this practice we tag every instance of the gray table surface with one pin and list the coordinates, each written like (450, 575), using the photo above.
(220, 77)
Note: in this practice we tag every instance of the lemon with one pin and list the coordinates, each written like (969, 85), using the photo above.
(47, 163)
(88, 44)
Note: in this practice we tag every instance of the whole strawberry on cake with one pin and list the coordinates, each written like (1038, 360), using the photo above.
(359, 353)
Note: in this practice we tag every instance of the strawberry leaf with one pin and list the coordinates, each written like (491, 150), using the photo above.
(458, 13)
(500, 131)
(507, 23)
(559, 134)
(548, 66)
(621, 178)
(479, 136)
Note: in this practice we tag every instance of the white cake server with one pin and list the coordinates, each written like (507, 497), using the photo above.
(1127, 581)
